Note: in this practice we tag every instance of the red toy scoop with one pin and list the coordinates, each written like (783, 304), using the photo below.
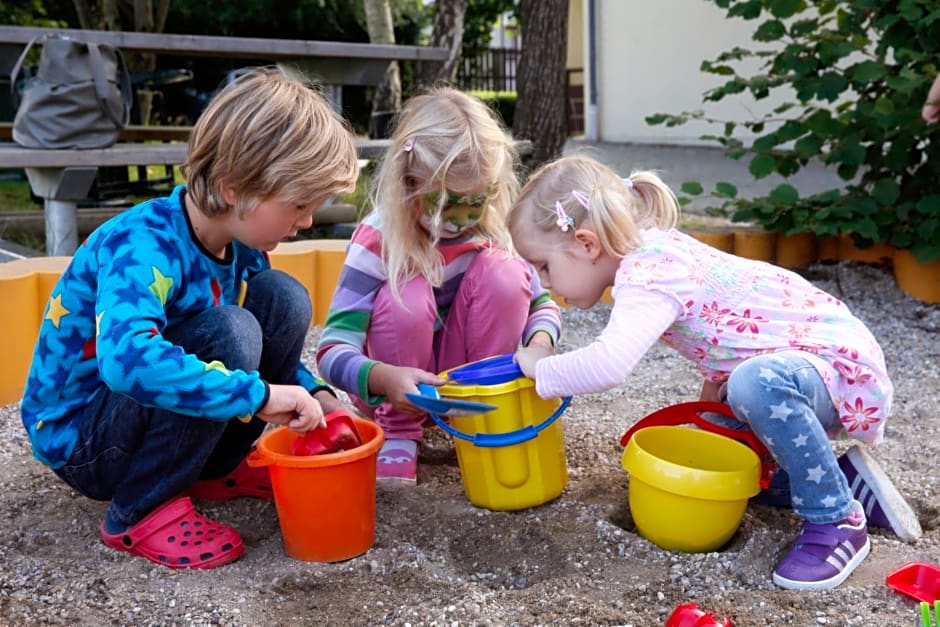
(339, 434)
(917, 579)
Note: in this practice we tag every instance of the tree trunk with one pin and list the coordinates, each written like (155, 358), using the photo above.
(447, 32)
(540, 109)
(379, 24)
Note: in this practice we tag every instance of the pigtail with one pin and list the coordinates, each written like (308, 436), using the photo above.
(658, 205)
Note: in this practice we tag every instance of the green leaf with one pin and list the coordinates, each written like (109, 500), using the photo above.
(786, 8)
(884, 106)
(831, 86)
(867, 229)
(906, 82)
(725, 190)
(801, 28)
(821, 123)
(929, 204)
(748, 10)
(808, 146)
(766, 142)
(787, 166)
(692, 187)
(771, 30)
(761, 166)
(886, 192)
(790, 130)
(847, 172)
(784, 193)
(867, 71)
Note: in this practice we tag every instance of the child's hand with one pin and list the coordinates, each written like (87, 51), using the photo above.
(528, 356)
(931, 110)
(931, 113)
(395, 381)
(293, 406)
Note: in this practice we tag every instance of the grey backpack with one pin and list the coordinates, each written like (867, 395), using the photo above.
(80, 96)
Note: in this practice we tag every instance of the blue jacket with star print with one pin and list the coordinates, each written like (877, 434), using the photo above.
(136, 275)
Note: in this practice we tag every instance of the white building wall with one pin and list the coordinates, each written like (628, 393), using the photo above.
(648, 55)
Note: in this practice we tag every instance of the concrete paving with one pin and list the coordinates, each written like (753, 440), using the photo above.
(677, 164)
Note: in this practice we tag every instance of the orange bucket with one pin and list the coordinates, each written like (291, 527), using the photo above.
(325, 503)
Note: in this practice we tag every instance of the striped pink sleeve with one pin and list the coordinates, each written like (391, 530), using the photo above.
(638, 319)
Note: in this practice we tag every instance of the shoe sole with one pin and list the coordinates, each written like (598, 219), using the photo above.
(900, 515)
(832, 582)
(394, 482)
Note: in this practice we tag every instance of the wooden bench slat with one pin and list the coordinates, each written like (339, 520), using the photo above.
(130, 133)
(241, 47)
(15, 156)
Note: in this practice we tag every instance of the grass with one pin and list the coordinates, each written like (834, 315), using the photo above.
(14, 195)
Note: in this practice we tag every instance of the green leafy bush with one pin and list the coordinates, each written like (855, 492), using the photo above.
(856, 74)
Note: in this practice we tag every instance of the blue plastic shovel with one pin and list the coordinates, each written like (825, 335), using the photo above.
(430, 400)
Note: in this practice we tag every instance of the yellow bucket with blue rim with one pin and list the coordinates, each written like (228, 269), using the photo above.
(513, 456)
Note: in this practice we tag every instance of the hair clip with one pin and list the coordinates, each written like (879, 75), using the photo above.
(564, 221)
(628, 182)
(582, 198)
(409, 145)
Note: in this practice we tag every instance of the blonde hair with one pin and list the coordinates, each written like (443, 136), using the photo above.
(443, 140)
(268, 133)
(616, 210)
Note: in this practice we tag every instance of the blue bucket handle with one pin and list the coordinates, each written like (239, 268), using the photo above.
(508, 438)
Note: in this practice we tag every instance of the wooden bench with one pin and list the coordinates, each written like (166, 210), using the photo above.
(330, 62)
(130, 133)
(62, 177)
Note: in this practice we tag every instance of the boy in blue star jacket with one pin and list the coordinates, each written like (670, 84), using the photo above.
(169, 342)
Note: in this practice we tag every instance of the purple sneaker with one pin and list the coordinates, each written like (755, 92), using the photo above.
(822, 556)
(883, 504)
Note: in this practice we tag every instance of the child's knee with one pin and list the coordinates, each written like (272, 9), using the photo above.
(285, 294)
(415, 304)
(503, 278)
(744, 383)
(237, 339)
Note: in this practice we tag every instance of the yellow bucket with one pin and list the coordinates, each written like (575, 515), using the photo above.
(512, 457)
(689, 488)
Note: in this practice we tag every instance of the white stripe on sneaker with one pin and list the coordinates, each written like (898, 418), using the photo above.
(845, 556)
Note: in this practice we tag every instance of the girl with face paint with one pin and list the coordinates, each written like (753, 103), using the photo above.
(431, 280)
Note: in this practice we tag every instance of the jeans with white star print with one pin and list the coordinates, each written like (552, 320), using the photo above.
(784, 401)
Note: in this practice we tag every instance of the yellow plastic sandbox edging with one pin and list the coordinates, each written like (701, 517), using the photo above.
(25, 286)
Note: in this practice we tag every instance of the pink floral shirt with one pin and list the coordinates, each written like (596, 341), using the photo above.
(718, 310)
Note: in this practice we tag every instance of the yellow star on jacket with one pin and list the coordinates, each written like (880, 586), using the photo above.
(56, 310)
(161, 285)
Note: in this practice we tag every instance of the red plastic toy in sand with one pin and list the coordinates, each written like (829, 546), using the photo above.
(918, 580)
(689, 615)
(339, 434)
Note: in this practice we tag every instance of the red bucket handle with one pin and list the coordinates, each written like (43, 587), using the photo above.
(690, 413)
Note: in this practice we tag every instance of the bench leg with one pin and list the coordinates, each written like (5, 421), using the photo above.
(61, 227)
(61, 188)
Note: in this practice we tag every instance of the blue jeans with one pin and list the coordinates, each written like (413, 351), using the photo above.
(139, 457)
(785, 403)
